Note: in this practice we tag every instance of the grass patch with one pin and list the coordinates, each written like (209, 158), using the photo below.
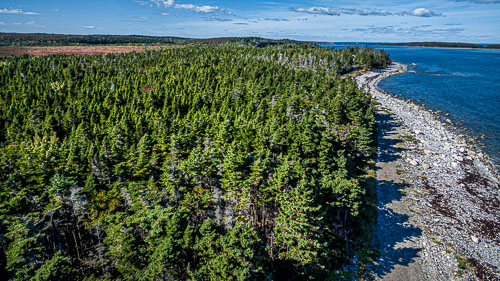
(400, 171)
(462, 264)
(388, 112)
(409, 138)
(436, 241)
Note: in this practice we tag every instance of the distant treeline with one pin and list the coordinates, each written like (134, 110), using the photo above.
(445, 45)
(43, 39)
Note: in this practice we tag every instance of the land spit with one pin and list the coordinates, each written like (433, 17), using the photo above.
(438, 195)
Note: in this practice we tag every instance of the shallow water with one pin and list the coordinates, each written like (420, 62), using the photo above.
(465, 83)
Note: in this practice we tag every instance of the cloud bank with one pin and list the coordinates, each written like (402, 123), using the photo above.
(191, 7)
(90, 27)
(421, 12)
(418, 12)
(16, 12)
(419, 30)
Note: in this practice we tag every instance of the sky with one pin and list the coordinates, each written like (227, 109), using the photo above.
(474, 21)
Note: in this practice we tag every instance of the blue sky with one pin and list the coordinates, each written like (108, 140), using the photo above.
(475, 21)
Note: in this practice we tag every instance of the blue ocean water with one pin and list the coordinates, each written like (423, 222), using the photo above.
(465, 83)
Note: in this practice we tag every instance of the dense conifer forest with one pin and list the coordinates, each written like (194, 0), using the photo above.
(194, 163)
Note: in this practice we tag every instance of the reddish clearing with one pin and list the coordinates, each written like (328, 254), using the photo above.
(73, 50)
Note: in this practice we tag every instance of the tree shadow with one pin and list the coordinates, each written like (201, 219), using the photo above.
(394, 236)
(389, 147)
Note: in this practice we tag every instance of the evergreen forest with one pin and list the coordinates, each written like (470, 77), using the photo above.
(224, 162)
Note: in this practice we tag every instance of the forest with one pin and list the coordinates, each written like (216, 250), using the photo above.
(195, 163)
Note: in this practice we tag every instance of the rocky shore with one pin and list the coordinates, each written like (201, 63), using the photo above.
(439, 196)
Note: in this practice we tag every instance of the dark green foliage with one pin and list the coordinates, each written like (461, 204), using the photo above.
(196, 163)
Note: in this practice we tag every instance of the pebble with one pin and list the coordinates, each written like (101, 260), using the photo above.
(413, 162)
(474, 239)
(425, 166)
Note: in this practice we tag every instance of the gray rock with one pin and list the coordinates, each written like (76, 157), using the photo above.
(474, 239)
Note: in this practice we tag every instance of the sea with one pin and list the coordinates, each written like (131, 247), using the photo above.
(462, 83)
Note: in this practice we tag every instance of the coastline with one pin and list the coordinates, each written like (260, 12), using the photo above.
(448, 193)
(435, 47)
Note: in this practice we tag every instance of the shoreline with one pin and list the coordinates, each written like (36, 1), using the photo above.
(435, 47)
(449, 191)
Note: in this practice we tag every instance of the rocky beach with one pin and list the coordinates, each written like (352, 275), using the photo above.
(438, 194)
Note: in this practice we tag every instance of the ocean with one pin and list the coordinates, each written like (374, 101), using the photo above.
(464, 83)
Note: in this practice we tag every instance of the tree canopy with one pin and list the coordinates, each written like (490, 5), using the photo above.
(194, 163)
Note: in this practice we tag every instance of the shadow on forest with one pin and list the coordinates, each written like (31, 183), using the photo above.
(393, 228)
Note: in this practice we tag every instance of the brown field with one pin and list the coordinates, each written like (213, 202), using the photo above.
(73, 50)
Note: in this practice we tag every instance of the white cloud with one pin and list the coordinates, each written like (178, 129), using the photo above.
(419, 12)
(191, 7)
(422, 12)
(199, 9)
(2, 23)
(217, 19)
(30, 22)
(165, 3)
(317, 10)
(342, 11)
(7, 11)
(142, 3)
(16, 12)
(418, 30)
(90, 27)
